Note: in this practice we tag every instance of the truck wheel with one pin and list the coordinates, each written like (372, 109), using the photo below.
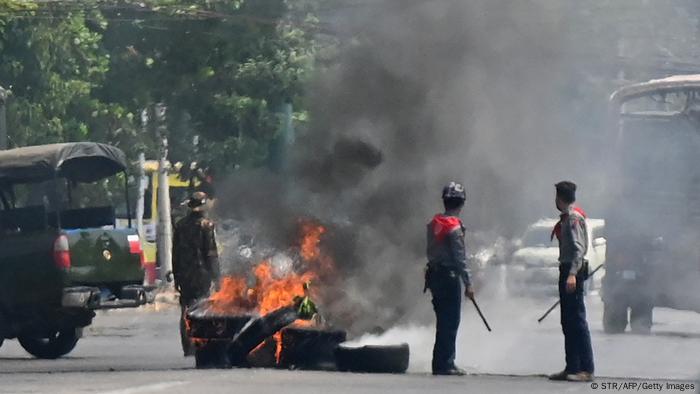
(55, 346)
(641, 319)
(614, 318)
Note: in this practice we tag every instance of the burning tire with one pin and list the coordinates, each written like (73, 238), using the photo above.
(55, 346)
(309, 348)
(257, 331)
(212, 354)
(377, 359)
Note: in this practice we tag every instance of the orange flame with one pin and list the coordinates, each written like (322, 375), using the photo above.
(270, 292)
(233, 295)
(311, 238)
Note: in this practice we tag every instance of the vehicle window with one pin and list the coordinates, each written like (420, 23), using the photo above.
(657, 104)
(537, 236)
(44, 194)
(597, 232)
(107, 192)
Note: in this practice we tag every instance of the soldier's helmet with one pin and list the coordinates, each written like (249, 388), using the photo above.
(197, 201)
(454, 191)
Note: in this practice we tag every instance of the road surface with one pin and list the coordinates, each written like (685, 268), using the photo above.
(137, 351)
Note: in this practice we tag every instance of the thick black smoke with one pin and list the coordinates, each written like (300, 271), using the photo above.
(421, 93)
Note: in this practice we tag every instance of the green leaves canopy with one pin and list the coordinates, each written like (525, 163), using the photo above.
(223, 69)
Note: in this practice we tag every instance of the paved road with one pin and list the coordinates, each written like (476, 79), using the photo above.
(292, 382)
(137, 351)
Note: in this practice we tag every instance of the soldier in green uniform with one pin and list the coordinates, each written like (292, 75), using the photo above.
(195, 260)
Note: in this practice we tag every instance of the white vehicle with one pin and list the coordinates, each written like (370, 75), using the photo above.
(534, 266)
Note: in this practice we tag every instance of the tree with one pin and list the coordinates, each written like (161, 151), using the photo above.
(223, 70)
(88, 69)
(51, 65)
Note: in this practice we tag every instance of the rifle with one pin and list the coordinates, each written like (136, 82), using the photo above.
(556, 304)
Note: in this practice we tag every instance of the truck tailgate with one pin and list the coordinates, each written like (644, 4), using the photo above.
(104, 257)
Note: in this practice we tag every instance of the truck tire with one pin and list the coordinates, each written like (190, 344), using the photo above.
(61, 343)
(641, 319)
(614, 318)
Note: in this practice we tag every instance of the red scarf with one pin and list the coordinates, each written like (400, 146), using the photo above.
(556, 231)
(443, 225)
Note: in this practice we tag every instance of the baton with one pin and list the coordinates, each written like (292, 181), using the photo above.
(478, 310)
(556, 304)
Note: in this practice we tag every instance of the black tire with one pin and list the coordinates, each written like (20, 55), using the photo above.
(310, 348)
(377, 359)
(212, 354)
(641, 317)
(614, 318)
(60, 344)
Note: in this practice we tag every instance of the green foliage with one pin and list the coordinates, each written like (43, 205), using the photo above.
(51, 66)
(86, 70)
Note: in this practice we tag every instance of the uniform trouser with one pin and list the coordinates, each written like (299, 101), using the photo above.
(446, 288)
(577, 337)
(187, 299)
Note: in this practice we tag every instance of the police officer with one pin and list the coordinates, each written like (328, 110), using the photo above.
(445, 275)
(573, 271)
(195, 260)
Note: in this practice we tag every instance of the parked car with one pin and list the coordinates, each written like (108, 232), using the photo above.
(534, 266)
(60, 258)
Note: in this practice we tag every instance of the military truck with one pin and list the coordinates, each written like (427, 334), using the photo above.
(60, 257)
(653, 185)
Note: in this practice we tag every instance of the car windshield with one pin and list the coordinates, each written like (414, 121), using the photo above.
(537, 236)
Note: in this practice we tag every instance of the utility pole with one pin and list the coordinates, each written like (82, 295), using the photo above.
(164, 234)
(4, 93)
(141, 196)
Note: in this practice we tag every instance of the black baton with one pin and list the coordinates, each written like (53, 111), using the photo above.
(556, 304)
(478, 310)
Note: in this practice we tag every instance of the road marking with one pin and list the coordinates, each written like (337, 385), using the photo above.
(146, 388)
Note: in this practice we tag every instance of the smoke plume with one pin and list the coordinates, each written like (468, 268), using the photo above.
(422, 93)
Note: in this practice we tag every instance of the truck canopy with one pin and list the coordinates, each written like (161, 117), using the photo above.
(76, 161)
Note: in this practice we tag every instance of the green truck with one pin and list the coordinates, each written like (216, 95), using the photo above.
(62, 258)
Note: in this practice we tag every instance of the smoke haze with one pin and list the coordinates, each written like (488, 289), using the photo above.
(421, 93)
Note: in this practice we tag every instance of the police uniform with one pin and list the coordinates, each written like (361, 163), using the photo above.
(445, 274)
(573, 244)
(195, 260)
